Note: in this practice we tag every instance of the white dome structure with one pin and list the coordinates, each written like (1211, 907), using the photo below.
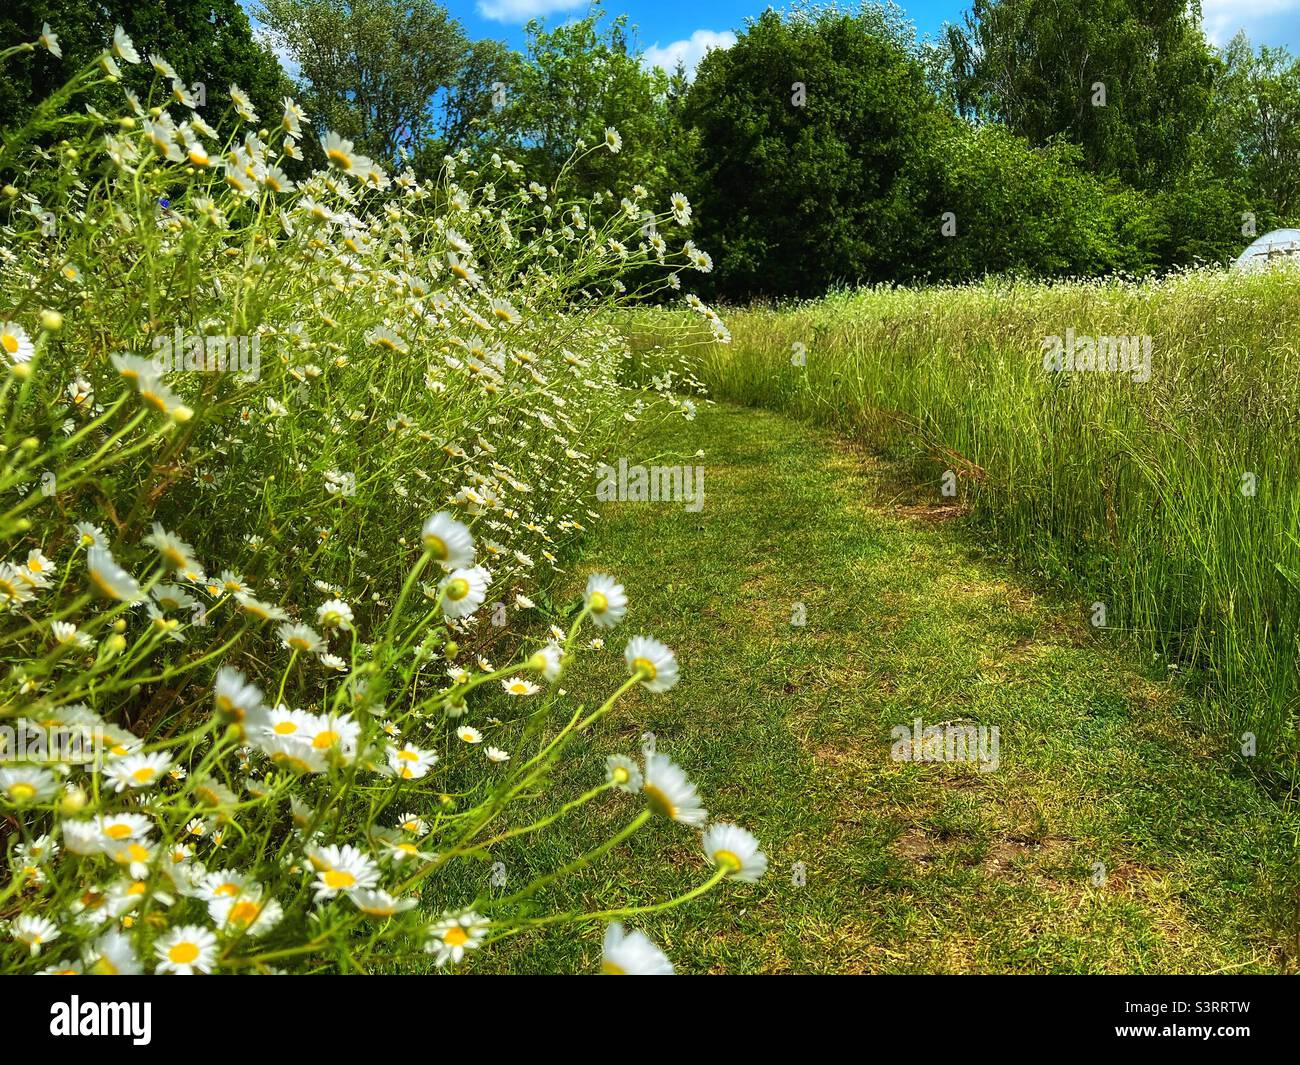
(1277, 246)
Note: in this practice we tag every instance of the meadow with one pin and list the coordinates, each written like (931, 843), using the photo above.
(323, 652)
(1163, 498)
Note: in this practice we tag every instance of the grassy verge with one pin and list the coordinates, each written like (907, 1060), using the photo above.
(1110, 839)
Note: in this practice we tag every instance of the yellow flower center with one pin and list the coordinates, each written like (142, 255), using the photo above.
(117, 831)
(10, 342)
(458, 589)
(608, 968)
(338, 878)
(455, 936)
(183, 953)
(325, 740)
(659, 802)
(436, 546)
(143, 775)
(645, 667)
(599, 604)
(728, 859)
(21, 792)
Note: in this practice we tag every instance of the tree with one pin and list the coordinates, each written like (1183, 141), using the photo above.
(1129, 81)
(571, 84)
(206, 41)
(386, 74)
(805, 126)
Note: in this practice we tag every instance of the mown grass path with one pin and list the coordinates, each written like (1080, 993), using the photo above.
(1111, 838)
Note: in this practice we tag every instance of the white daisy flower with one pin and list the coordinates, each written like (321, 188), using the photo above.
(671, 793)
(606, 600)
(138, 770)
(732, 848)
(623, 773)
(463, 591)
(453, 935)
(632, 954)
(342, 869)
(186, 950)
(449, 541)
(652, 662)
(34, 930)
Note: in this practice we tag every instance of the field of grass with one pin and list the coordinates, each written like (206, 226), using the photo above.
(1173, 502)
(1111, 838)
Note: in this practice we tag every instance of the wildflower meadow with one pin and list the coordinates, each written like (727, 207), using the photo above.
(528, 487)
(289, 469)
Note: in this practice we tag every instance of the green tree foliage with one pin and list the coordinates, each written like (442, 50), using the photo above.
(795, 194)
(1041, 66)
(572, 83)
(206, 41)
(986, 201)
(387, 74)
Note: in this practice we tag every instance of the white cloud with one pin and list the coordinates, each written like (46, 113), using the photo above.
(522, 10)
(690, 51)
(1223, 18)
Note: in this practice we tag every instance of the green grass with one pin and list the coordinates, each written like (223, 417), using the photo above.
(1130, 492)
(910, 867)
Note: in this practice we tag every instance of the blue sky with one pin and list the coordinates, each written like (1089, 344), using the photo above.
(668, 29)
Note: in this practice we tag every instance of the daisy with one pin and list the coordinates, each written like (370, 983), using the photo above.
(519, 686)
(118, 827)
(249, 914)
(496, 754)
(34, 930)
(413, 823)
(300, 637)
(681, 208)
(653, 663)
(16, 343)
(453, 935)
(463, 591)
(341, 869)
(285, 723)
(736, 850)
(625, 954)
(469, 735)
(448, 541)
(410, 762)
(623, 773)
(175, 551)
(605, 600)
(548, 661)
(110, 579)
(380, 903)
(613, 140)
(49, 40)
(339, 152)
(670, 792)
(260, 610)
(236, 697)
(22, 785)
(137, 770)
(112, 955)
(186, 950)
(334, 614)
(123, 47)
(332, 733)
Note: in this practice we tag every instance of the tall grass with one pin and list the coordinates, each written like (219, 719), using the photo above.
(1135, 494)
